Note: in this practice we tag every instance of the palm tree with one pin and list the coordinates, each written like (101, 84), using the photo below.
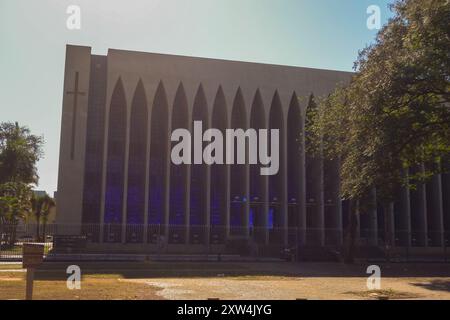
(41, 208)
(47, 206)
(36, 207)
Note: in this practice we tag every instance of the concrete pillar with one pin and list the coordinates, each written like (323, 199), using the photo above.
(358, 223)
(227, 203)
(247, 201)
(373, 219)
(302, 186)
(284, 195)
(404, 220)
(332, 203)
(316, 235)
(421, 222)
(187, 203)
(266, 210)
(125, 176)
(446, 205)
(389, 224)
(164, 229)
(208, 207)
(338, 211)
(435, 211)
(147, 173)
(321, 206)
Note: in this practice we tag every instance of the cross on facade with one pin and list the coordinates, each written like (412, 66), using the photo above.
(75, 94)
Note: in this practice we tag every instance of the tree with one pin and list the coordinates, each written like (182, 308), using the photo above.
(394, 114)
(14, 204)
(41, 208)
(47, 207)
(19, 153)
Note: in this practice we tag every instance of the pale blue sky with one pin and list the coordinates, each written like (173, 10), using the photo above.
(324, 34)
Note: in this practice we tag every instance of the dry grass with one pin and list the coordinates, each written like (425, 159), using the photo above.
(386, 294)
(106, 287)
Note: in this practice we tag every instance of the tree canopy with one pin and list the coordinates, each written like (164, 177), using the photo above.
(395, 113)
(19, 152)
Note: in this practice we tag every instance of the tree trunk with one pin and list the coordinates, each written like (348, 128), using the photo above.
(37, 230)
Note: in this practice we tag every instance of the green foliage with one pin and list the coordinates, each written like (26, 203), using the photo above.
(15, 204)
(15, 201)
(395, 113)
(19, 153)
(41, 208)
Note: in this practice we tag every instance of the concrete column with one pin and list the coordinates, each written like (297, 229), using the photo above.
(446, 204)
(373, 219)
(104, 168)
(333, 213)
(320, 206)
(165, 224)
(389, 224)
(435, 212)
(187, 203)
(227, 203)
(147, 172)
(302, 188)
(208, 207)
(247, 201)
(421, 214)
(358, 223)
(339, 226)
(266, 210)
(316, 201)
(284, 195)
(404, 220)
(125, 176)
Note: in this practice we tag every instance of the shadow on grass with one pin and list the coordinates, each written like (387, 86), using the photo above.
(137, 270)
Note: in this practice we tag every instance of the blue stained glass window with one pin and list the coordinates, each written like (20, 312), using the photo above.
(251, 217)
(271, 218)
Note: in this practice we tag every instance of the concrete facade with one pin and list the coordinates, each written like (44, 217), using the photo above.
(117, 184)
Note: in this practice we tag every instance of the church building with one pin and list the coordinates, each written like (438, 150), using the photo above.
(118, 186)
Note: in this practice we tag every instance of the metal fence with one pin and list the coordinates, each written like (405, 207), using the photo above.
(215, 242)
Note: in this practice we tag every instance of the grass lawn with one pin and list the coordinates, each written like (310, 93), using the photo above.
(94, 287)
